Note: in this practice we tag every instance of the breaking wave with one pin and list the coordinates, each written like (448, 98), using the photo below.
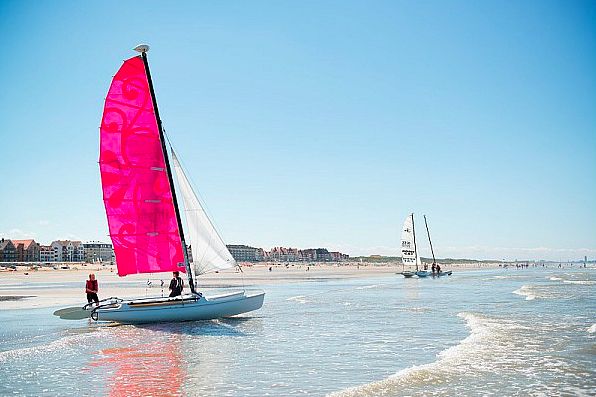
(368, 286)
(581, 282)
(476, 353)
(299, 299)
(526, 291)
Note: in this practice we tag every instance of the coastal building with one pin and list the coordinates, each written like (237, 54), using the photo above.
(189, 253)
(260, 254)
(308, 255)
(243, 253)
(283, 254)
(27, 250)
(68, 251)
(47, 254)
(322, 255)
(338, 256)
(8, 252)
(97, 251)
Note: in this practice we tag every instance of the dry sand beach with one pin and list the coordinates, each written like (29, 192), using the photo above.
(46, 287)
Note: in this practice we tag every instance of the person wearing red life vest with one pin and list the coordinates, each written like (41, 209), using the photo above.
(91, 288)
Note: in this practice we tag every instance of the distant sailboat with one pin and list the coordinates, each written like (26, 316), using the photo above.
(144, 215)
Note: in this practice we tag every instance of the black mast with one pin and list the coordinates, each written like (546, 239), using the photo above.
(415, 250)
(168, 170)
(431, 243)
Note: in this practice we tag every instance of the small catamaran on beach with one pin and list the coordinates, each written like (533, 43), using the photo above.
(144, 214)
(409, 252)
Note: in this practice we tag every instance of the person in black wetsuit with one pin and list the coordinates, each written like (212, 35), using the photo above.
(176, 285)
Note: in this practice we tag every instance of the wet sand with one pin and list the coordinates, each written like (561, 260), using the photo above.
(47, 287)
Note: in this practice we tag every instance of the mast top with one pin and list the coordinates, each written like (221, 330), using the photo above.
(141, 48)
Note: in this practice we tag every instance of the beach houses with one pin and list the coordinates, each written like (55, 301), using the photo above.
(68, 251)
(8, 252)
(243, 253)
(26, 250)
(98, 251)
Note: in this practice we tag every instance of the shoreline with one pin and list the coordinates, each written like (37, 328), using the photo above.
(47, 287)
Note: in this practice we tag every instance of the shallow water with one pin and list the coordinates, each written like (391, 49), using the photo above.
(497, 332)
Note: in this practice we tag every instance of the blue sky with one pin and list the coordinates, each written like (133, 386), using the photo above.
(312, 123)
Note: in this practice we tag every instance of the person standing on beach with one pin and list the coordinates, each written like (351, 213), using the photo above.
(176, 285)
(91, 288)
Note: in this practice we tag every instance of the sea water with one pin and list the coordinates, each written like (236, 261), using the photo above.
(502, 332)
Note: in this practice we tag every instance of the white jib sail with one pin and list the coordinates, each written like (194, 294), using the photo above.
(209, 252)
(408, 251)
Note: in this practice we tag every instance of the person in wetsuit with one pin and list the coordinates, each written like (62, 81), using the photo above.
(91, 288)
(176, 285)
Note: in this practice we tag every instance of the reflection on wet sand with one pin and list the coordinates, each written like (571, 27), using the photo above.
(152, 369)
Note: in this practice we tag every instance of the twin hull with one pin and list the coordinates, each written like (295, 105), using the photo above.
(181, 309)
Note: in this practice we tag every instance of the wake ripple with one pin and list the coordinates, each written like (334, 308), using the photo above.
(66, 342)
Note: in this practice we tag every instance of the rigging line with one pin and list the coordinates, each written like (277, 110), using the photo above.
(221, 252)
(200, 260)
(202, 201)
(241, 276)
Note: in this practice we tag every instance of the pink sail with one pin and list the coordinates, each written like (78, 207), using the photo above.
(136, 191)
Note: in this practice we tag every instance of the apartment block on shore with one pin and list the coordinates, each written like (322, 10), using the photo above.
(58, 251)
(245, 253)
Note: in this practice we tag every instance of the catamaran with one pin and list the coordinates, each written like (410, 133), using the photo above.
(144, 214)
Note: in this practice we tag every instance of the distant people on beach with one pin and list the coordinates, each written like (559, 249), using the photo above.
(91, 288)
(176, 285)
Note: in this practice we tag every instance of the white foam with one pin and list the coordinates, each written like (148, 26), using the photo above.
(368, 286)
(525, 291)
(555, 278)
(460, 359)
(299, 298)
(592, 329)
(581, 282)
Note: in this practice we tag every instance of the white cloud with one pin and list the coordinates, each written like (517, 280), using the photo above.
(17, 234)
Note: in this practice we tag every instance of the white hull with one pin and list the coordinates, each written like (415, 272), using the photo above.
(186, 308)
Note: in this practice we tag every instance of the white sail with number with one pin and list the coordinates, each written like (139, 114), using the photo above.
(209, 252)
(408, 245)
